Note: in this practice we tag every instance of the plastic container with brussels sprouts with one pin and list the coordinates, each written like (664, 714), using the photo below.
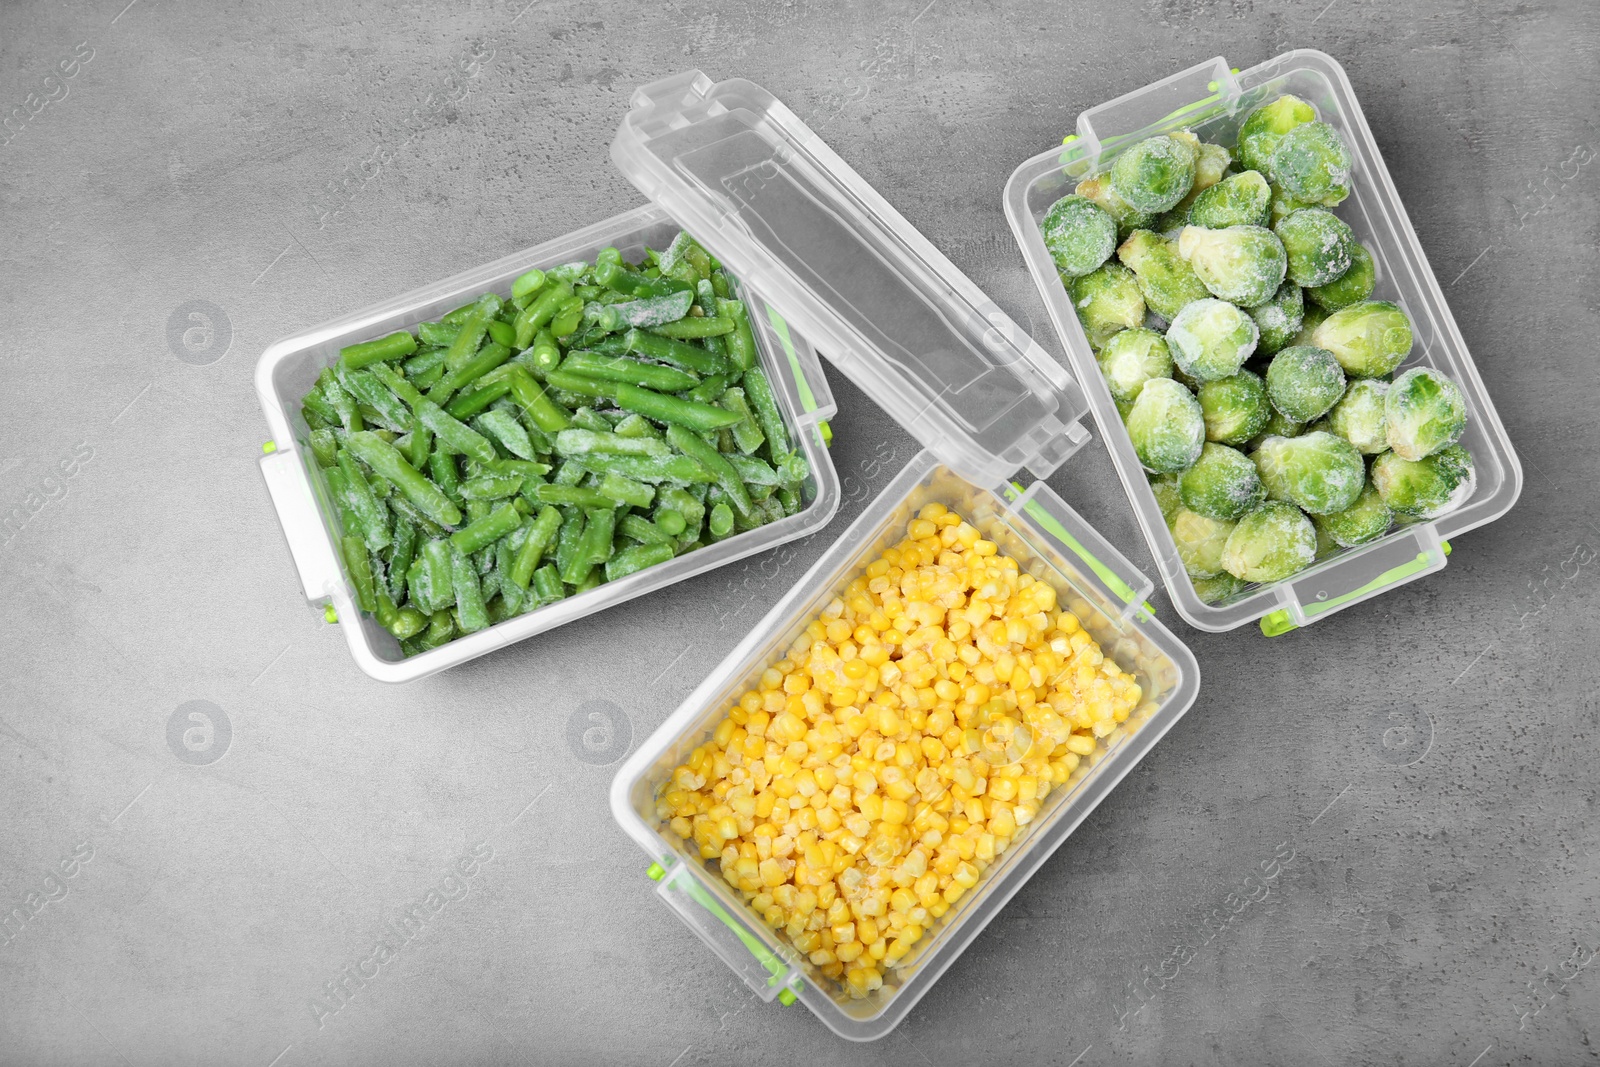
(1285, 394)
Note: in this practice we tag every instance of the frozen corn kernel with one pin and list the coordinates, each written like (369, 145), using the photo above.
(861, 788)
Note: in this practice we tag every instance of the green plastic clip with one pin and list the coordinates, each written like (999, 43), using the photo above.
(1212, 87)
(808, 399)
(269, 447)
(776, 968)
(1278, 622)
(1106, 575)
(328, 614)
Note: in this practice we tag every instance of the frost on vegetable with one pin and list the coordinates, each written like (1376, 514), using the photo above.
(1303, 382)
(1269, 544)
(1241, 264)
(1166, 426)
(1279, 319)
(1079, 235)
(1365, 520)
(1243, 199)
(1131, 358)
(1423, 412)
(1369, 339)
(1165, 278)
(1154, 174)
(1425, 488)
(1351, 287)
(1264, 127)
(1200, 542)
(1107, 301)
(1317, 472)
(1318, 244)
(1235, 408)
(1211, 339)
(1128, 218)
(1312, 163)
(1222, 484)
(1358, 416)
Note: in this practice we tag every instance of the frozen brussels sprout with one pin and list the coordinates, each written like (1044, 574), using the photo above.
(1079, 235)
(1369, 339)
(1318, 245)
(1200, 542)
(1264, 127)
(1154, 174)
(1210, 164)
(1190, 141)
(1326, 545)
(1312, 163)
(1165, 488)
(1242, 264)
(1235, 408)
(1318, 472)
(1131, 358)
(1243, 199)
(1222, 484)
(1283, 205)
(1269, 544)
(1128, 217)
(1358, 416)
(1303, 382)
(1425, 488)
(1165, 278)
(1279, 319)
(1423, 412)
(1216, 589)
(1166, 426)
(1365, 520)
(1351, 287)
(1277, 426)
(1311, 318)
(1107, 301)
(1211, 339)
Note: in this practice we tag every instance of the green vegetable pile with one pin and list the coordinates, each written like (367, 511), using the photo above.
(604, 419)
(1236, 331)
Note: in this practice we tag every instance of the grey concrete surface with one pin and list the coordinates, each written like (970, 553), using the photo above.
(1428, 757)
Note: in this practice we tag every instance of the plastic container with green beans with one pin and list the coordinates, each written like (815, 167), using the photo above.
(540, 438)
(541, 447)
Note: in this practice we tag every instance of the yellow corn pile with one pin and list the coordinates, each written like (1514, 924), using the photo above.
(911, 734)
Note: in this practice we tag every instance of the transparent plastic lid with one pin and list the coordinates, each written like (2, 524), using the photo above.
(767, 197)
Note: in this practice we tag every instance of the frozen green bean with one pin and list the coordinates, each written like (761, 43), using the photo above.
(386, 460)
(622, 369)
(474, 324)
(393, 346)
(662, 407)
(359, 564)
(483, 532)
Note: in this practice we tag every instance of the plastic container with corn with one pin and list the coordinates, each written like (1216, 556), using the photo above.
(889, 755)
(910, 734)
